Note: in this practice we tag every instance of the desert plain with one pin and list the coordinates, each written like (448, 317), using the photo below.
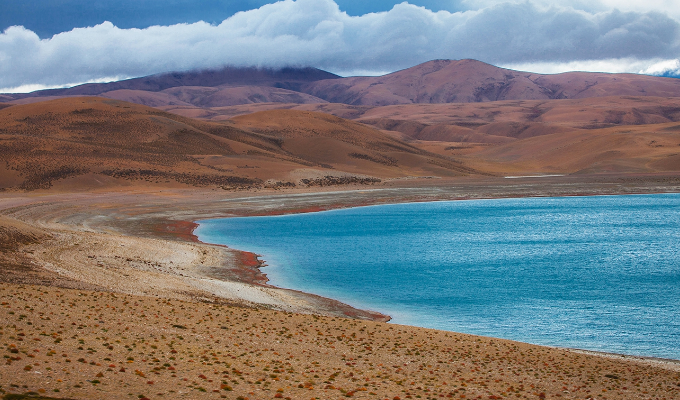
(106, 293)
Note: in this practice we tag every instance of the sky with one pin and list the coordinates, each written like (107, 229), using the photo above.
(48, 43)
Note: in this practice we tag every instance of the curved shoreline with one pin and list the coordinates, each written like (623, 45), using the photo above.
(249, 271)
(164, 218)
(668, 363)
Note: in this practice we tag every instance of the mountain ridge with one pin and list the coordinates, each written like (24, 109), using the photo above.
(472, 81)
(283, 78)
(432, 82)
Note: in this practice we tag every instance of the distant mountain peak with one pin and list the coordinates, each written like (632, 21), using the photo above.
(286, 78)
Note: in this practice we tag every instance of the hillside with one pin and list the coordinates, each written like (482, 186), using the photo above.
(505, 121)
(621, 150)
(93, 142)
(488, 123)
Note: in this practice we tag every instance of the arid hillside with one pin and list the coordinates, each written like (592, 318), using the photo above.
(620, 150)
(505, 121)
(491, 123)
(93, 142)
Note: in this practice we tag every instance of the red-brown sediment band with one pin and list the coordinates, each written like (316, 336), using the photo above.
(249, 264)
(183, 230)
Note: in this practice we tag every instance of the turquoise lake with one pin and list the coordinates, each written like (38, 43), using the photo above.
(599, 273)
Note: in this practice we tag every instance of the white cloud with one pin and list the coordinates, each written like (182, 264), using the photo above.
(32, 87)
(316, 33)
(670, 7)
(665, 67)
(615, 65)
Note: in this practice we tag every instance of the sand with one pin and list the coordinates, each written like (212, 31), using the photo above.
(116, 269)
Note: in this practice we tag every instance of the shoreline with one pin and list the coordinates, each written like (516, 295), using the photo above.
(171, 217)
(672, 364)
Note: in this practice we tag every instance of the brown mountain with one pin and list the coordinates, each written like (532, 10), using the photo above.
(434, 82)
(201, 96)
(90, 142)
(470, 81)
(284, 78)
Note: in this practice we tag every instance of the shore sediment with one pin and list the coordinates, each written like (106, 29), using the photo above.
(148, 235)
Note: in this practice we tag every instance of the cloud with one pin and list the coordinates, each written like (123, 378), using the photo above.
(656, 67)
(316, 33)
(669, 68)
(669, 7)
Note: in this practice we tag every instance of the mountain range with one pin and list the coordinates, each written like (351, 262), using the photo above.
(434, 82)
(256, 128)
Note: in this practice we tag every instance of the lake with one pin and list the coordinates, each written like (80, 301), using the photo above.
(599, 273)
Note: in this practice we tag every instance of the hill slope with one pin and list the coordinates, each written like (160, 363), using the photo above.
(629, 149)
(91, 142)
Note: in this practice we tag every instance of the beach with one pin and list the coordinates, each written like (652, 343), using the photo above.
(137, 246)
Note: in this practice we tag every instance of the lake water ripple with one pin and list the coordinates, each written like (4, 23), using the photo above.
(598, 273)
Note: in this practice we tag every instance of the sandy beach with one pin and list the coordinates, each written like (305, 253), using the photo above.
(136, 247)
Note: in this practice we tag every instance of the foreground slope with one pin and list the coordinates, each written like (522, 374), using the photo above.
(94, 142)
(106, 345)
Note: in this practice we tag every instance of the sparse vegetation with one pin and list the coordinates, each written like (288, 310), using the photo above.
(339, 180)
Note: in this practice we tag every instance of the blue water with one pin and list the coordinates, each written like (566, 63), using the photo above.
(599, 273)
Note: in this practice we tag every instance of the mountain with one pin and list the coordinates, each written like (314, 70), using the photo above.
(91, 142)
(434, 82)
(470, 81)
(284, 78)
(202, 97)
